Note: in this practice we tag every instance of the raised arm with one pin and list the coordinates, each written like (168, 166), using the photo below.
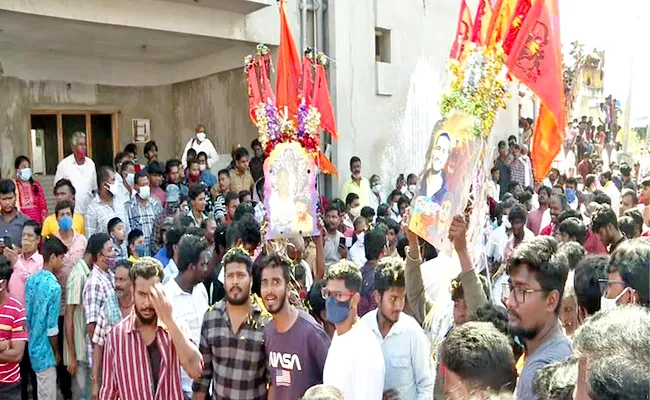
(415, 293)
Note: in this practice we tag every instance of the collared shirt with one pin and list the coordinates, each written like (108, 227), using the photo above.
(219, 206)
(156, 240)
(256, 166)
(205, 146)
(43, 295)
(13, 228)
(195, 221)
(367, 302)
(109, 316)
(23, 268)
(99, 214)
(239, 182)
(331, 248)
(362, 189)
(12, 328)
(98, 288)
(170, 271)
(235, 362)
(160, 195)
(83, 178)
(510, 244)
(127, 369)
(190, 309)
(51, 225)
(74, 297)
(406, 357)
(76, 251)
(143, 217)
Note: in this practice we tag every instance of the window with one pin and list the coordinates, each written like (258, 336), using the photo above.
(382, 45)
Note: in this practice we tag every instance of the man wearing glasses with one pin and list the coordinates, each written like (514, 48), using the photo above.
(628, 278)
(355, 363)
(533, 295)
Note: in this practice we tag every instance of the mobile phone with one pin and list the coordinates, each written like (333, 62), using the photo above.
(7, 241)
(342, 242)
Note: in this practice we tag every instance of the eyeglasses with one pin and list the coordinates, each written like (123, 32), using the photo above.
(520, 294)
(338, 296)
(605, 283)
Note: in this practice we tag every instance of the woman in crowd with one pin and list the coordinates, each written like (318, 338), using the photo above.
(30, 196)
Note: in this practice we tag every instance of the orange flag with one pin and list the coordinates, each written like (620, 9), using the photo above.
(463, 31)
(514, 27)
(326, 165)
(288, 67)
(482, 22)
(307, 84)
(254, 94)
(323, 102)
(501, 17)
(536, 60)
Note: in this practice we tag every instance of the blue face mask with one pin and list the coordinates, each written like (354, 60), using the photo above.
(337, 311)
(140, 250)
(65, 223)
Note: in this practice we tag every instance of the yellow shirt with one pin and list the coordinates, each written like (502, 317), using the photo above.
(362, 189)
(51, 225)
(240, 182)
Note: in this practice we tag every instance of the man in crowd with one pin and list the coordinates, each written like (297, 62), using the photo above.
(504, 168)
(629, 200)
(357, 184)
(604, 222)
(237, 368)
(175, 175)
(559, 204)
(517, 166)
(240, 177)
(155, 173)
(80, 170)
(11, 220)
(375, 244)
(611, 190)
(589, 273)
(173, 201)
(27, 263)
(103, 207)
(628, 275)
(63, 191)
(295, 344)
(222, 190)
(232, 202)
(533, 296)
(201, 143)
(404, 345)
(187, 294)
(519, 232)
(355, 364)
(572, 230)
(257, 162)
(536, 218)
(333, 236)
(13, 337)
(150, 334)
(142, 210)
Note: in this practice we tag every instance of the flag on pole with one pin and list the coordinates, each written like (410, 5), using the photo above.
(463, 31)
(501, 17)
(254, 94)
(536, 60)
(288, 67)
(482, 22)
(323, 102)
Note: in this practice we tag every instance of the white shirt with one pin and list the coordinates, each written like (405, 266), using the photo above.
(205, 146)
(170, 271)
(83, 178)
(189, 308)
(406, 357)
(355, 364)
(357, 253)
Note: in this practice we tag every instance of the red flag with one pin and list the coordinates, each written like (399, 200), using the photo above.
(254, 95)
(482, 22)
(326, 165)
(519, 15)
(536, 60)
(264, 62)
(463, 31)
(323, 102)
(307, 83)
(501, 17)
(288, 67)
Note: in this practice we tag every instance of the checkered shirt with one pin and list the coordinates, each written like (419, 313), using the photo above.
(518, 172)
(236, 363)
(143, 218)
(99, 287)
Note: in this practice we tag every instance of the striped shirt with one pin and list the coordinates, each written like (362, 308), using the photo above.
(74, 292)
(99, 287)
(109, 316)
(143, 218)
(12, 327)
(127, 370)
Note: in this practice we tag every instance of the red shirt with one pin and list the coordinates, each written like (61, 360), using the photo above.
(33, 205)
(126, 368)
(593, 245)
(12, 327)
(583, 168)
(548, 231)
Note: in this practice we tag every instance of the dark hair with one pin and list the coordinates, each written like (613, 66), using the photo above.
(173, 237)
(277, 261)
(150, 146)
(224, 172)
(242, 195)
(202, 154)
(458, 293)
(586, 281)
(347, 272)
(256, 142)
(517, 213)
(247, 229)
(7, 186)
(339, 204)
(191, 153)
(403, 200)
(133, 236)
(539, 255)
(368, 213)
(171, 164)
(103, 175)
(401, 246)
(628, 227)
(315, 299)
(141, 174)
(193, 160)
(512, 138)
(602, 217)
(17, 163)
(5, 269)
(512, 185)
(631, 260)
(350, 198)
(146, 268)
(374, 242)
(601, 198)
(64, 182)
(557, 381)
(131, 148)
(243, 209)
(241, 153)
(501, 144)
(35, 225)
(546, 189)
(590, 179)
(118, 159)
(331, 207)
(126, 164)
(571, 181)
(388, 274)
(52, 245)
(124, 263)
(631, 193)
(481, 356)
(575, 229)
(230, 196)
(573, 251)
(607, 175)
(566, 214)
(96, 244)
(113, 223)
(393, 194)
(240, 256)
(392, 225)
(189, 251)
(62, 205)
(382, 210)
(353, 160)
(195, 191)
(626, 170)
(636, 216)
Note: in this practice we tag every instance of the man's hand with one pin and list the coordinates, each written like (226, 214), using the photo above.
(11, 255)
(391, 394)
(72, 366)
(57, 356)
(94, 390)
(4, 345)
(458, 232)
(412, 237)
(161, 303)
(343, 251)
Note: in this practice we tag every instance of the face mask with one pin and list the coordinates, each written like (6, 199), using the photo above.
(80, 153)
(336, 311)
(25, 174)
(570, 195)
(130, 179)
(609, 304)
(395, 208)
(355, 212)
(202, 167)
(376, 189)
(65, 223)
(140, 250)
(412, 188)
(506, 222)
(110, 262)
(403, 189)
(581, 187)
(200, 136)
(521, 130)
(360, 236)
(112, 188)
(145, 192)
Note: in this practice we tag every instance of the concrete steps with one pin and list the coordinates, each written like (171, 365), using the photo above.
(47, 183)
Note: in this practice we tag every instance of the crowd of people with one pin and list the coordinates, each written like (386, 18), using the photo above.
(154, 281)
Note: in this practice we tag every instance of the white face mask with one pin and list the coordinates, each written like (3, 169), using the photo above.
(145, 192)
(412, 188)
(112, 188)
(130, 179)
(506, 222)
(200, 136)
(608, 304)
(355, 212)
(403, 189)
(376, 189)
(202, 167)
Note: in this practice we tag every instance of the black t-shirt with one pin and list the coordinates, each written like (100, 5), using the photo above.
(154, 363)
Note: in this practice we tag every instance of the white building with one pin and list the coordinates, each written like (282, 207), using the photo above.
(95, 66)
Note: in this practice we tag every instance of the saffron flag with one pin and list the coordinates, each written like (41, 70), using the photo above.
(463, 31)
(288, 67)
(323, 102)
(307, 84)
(501, 17)
(536, 60)
(254, 95)
(264, 62)
(482, 22)
(521, 11)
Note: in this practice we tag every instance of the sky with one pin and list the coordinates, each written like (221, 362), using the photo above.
(621, 28)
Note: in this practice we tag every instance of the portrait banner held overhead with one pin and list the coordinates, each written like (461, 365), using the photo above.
(290, 194)
(443, 187)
